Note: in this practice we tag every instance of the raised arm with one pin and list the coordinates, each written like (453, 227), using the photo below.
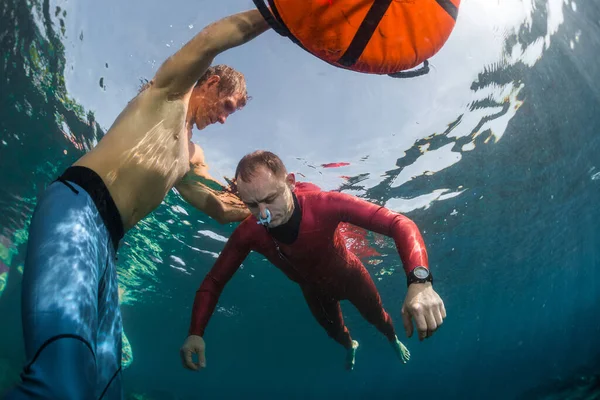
(222, 206)
(404, 231)
(178, 74)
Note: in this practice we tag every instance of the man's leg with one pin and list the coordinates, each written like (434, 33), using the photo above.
(67, 259)
(109, 350)
(328, 313)
(363, 294)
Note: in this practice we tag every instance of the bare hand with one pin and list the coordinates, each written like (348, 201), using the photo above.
(426, 307)
(193, 345)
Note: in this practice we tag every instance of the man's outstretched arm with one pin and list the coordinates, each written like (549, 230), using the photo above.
(178, 74)
(221, 205)
(235, 251)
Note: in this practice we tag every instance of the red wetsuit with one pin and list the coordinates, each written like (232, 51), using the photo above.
(318, 260)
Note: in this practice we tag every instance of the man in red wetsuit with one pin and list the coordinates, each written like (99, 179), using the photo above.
(295, 226)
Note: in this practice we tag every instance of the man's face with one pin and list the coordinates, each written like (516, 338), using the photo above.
(208, 106)
(267, 191)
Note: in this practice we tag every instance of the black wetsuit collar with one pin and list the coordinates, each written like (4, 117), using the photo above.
(287, 233)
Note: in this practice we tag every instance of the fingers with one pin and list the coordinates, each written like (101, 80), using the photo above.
(431, 324)
(443, 310)
(439, 315)
(421, 323)
(186, 358)
(428, 319)
(417, 312)
(201, 358)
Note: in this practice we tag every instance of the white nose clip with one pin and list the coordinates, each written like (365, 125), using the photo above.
(264, 221)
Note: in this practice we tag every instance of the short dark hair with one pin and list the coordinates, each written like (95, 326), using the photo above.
(250, 162)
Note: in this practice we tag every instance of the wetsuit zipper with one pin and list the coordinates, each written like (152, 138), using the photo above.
(283, 257)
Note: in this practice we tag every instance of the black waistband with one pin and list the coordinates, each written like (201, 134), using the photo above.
(95, 187)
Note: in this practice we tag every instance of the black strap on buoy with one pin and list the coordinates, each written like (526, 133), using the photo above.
(412, 74)
(449, 7)
(277, 26)
(364, 32)
(274, 20)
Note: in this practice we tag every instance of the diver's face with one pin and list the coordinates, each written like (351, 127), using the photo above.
(267, 191)
(208, 106)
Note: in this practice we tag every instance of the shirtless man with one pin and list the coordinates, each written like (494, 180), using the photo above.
(70, 310)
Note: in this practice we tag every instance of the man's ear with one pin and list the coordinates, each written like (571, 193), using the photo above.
(290, 179)
(213, 80)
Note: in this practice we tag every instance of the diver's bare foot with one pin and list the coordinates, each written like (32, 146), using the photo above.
(401, 350)
(351, 356)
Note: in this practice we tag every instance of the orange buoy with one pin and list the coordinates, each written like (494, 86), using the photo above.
(370, 36)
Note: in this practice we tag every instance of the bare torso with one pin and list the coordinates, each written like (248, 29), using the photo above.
(143, 155)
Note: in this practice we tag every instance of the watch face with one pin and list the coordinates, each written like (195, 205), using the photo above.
(421, 272)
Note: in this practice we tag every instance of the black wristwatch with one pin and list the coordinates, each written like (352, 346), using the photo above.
(419, 274)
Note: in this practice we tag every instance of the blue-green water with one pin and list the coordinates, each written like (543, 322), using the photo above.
(514, 244)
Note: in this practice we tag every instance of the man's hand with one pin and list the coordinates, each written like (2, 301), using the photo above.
(219, 203)
(193, 345)
(426, 307)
